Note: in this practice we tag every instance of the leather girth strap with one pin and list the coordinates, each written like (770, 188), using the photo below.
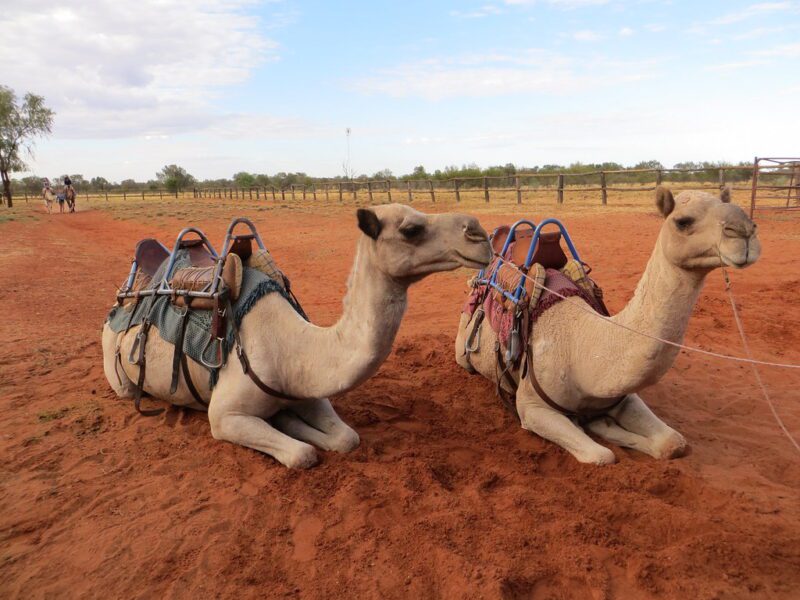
(179, 362)
(142, 364)
(580, 414)
(246, 363)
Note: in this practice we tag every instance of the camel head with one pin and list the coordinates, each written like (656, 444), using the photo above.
(408, 245)
(702, 232)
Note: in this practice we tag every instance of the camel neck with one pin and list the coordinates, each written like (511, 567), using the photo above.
(661, 307)
(351, 350)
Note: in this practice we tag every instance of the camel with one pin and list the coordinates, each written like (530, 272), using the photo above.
(582, 363)
(49, 197)
(398, 247)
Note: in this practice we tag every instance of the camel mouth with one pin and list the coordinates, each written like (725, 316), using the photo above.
(472, 263)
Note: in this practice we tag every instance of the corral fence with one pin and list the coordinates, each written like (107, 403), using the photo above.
(773, 183)
(769, 179)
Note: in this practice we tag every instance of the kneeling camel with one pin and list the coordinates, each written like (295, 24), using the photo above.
(399, 246)
(583, 363)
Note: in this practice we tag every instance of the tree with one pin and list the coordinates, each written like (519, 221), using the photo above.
(244, 180)
(19, 125)
(99, 183)
(175, 178)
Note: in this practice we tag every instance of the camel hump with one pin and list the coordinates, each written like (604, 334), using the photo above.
(664, 200)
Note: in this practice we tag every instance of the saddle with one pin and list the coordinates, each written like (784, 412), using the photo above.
(211, 282)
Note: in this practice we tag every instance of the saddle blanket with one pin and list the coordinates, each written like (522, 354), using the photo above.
(502, 318)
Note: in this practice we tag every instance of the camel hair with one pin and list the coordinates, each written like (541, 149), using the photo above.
(398, 247)
(581, 362)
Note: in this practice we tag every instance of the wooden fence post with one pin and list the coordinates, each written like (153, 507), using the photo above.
(721, 178)
(292, 192)
(486, 189)
(258, 194)
(369, 191)
(304, 192)
(124, 196)
(519, 190)
(604, 191)
(327, 191)
(389, 189)
(408, 185)
(142, 195)
(659, 177)
(274, 198)
(456, 183)
(561, 188)
(26, 196)
(355, 192)
(283, 194)
(160, 194)
(314, 191)
(106, 195)
(341, 198)
(430, 186)
(754, 188)
(251, 193)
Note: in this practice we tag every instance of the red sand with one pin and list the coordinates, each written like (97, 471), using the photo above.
(446, 497)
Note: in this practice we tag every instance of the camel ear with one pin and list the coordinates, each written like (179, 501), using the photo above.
(369, 223)
(664, 200)
(725, 194)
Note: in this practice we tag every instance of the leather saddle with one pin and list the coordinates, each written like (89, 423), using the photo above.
(548, 251)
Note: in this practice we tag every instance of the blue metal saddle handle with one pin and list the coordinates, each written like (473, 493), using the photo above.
(520, 290)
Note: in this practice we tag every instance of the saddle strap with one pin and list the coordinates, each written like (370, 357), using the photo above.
(584, 415)
(142, 362)
(177, 354)
(246, 363)
(187, 377)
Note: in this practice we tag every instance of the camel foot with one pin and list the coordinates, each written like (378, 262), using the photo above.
(595, 456)
(346, 440)
(303, 458)
(673, 445)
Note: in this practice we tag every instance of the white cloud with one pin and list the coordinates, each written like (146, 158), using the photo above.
(484, 11)
(655, 27)
(124, 69)
(735, 66)
(626, 32)
(752, 11)
(565, 4)
(783, 51)
(497, 74)
(586, 35)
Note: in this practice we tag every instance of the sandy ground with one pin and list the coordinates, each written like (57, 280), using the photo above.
(446, 497)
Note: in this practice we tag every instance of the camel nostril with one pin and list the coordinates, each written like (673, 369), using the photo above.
(736, 231)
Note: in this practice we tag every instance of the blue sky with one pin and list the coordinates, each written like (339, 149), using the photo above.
(220, 87)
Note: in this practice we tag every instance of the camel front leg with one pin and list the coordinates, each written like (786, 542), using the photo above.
(634, 416)
(320, 415)
(544, 421)
(230, 424)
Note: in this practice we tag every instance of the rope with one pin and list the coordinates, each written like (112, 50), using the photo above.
(746, 347)
(588, 309)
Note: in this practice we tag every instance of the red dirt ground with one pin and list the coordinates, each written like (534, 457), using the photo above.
(446, 497)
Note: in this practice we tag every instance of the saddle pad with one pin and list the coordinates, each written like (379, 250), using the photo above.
(198, 279)
(509, 277)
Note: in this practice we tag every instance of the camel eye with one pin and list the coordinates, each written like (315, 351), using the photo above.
(412, 231)
(684, 223)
